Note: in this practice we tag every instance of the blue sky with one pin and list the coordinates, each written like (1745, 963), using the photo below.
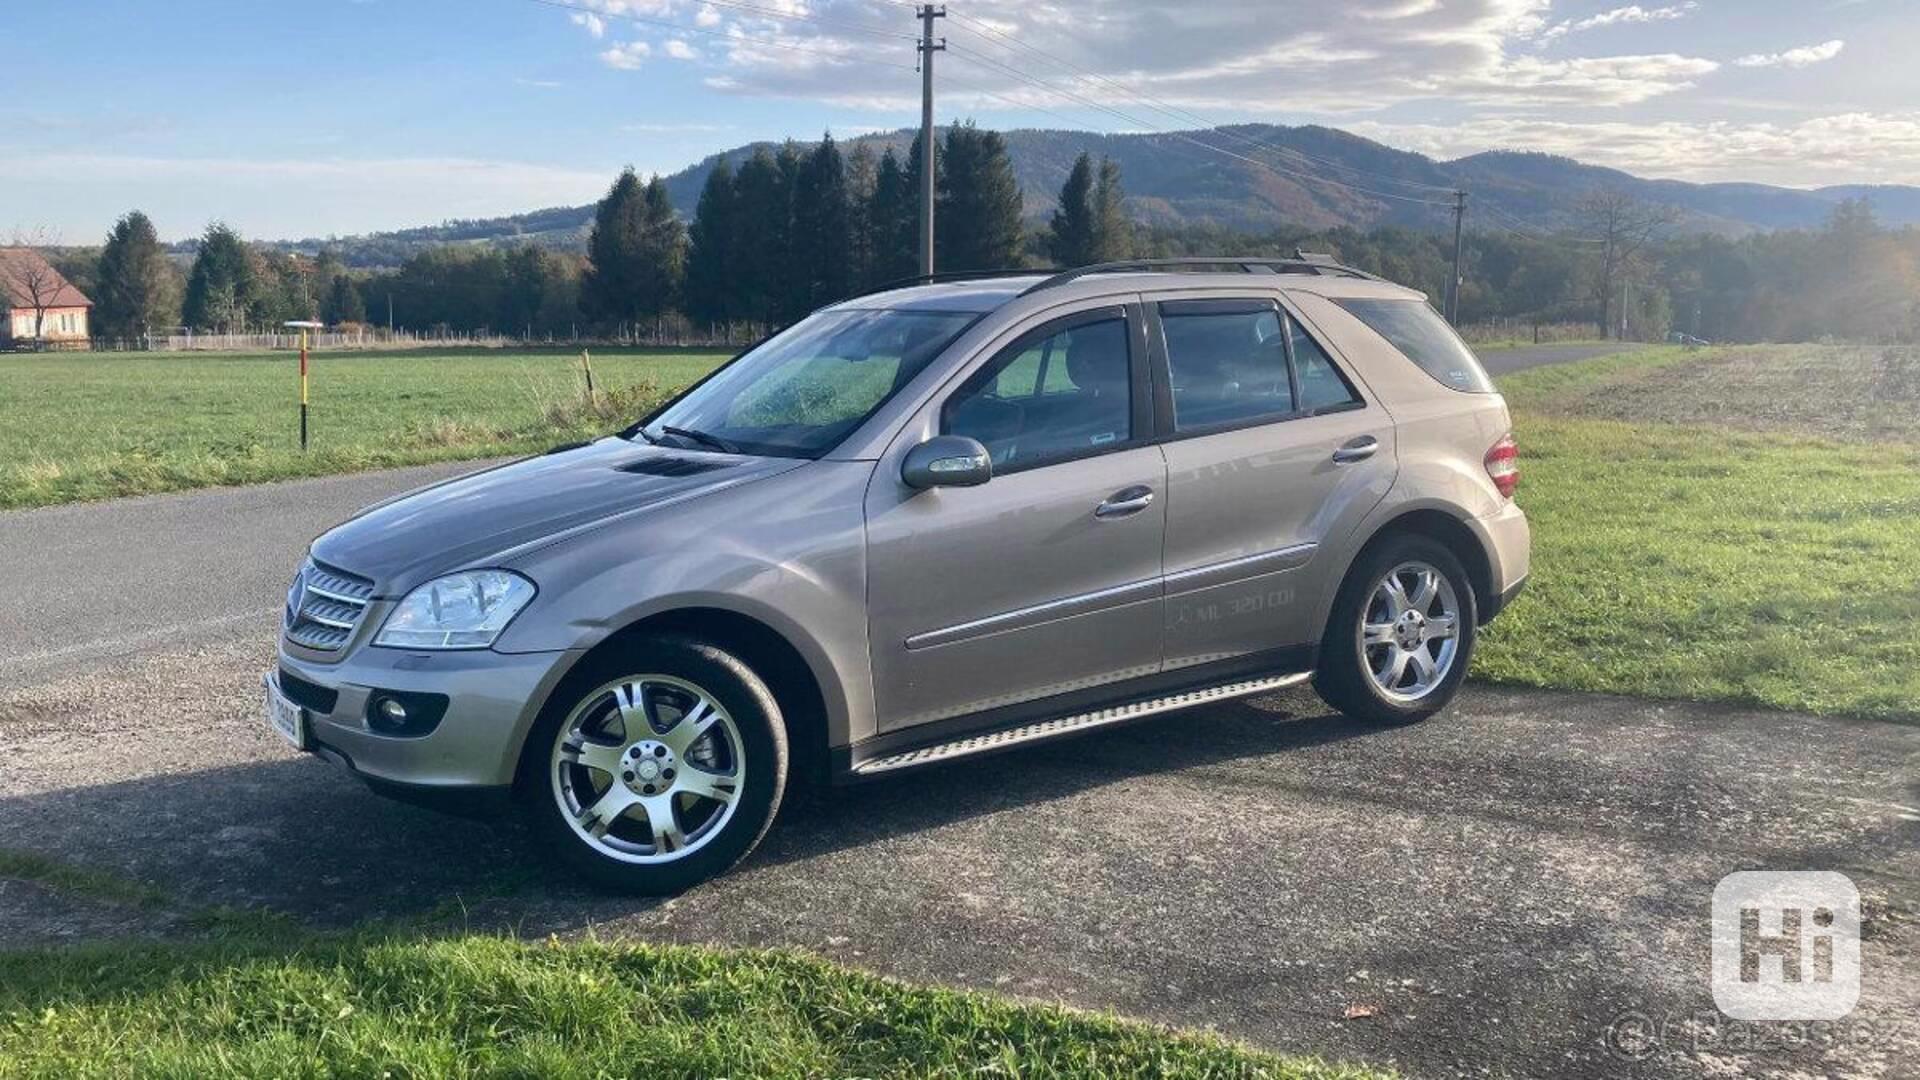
(342, 116)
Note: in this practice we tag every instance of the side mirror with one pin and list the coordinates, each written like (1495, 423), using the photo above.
(947, 461)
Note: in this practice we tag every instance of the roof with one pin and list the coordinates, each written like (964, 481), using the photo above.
(22, 268)
(982, 293)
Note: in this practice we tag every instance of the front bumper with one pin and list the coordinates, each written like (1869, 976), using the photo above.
(493, 700)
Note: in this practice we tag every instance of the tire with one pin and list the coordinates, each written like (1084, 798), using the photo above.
(712, 759)
(1366, 679)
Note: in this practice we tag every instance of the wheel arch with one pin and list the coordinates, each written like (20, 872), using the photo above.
(796, 687)
(1437, 522)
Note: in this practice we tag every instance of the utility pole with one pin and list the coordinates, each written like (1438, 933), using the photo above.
(1453, 283)
(928, 13)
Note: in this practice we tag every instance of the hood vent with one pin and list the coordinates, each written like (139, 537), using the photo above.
(671, 466)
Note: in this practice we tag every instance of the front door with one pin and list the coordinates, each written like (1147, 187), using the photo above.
(1272, 456)
(1046, 579)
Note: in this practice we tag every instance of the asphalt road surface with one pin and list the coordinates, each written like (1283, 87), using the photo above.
(1501, 885)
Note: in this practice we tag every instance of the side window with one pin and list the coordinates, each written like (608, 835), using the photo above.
(1228, 363)
(1045, 399)
(1321, 385)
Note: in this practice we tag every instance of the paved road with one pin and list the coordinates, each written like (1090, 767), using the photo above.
(1500, 883)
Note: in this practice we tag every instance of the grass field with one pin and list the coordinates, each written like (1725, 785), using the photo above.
(1737, 525)
(92, 426)
(364, 1005)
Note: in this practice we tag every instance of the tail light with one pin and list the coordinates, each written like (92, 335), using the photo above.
(1503, 465)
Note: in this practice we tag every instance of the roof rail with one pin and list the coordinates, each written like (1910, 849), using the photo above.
(1304, 264)
(946, 275)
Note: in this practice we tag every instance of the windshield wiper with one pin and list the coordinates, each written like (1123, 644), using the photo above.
(701, 437)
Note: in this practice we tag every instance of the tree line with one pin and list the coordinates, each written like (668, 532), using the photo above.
(792, 229)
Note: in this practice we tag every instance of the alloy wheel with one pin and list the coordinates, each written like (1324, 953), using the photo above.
(1409, 634)
(648, 769)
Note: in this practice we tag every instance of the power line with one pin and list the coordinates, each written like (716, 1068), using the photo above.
(841, 24)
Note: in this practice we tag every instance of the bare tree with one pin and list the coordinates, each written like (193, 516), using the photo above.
(33, 281)
(1623, 227)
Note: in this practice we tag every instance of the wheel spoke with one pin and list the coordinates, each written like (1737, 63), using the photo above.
(689, 728)
(1423, 666)
(1376, 633)
(635, 719)
(598, 817)
(667, 836)
(707, 785)
(593, 755)
(1395, 670)
(1396, 595)
(1441, 627)
(1426, 585)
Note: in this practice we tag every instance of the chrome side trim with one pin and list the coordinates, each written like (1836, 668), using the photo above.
(1231, 570)
(1064, 725)
(1019, 619)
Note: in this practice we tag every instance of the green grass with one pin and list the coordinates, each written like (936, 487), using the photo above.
(364, 1005)
(1705, 561)
(77, 426)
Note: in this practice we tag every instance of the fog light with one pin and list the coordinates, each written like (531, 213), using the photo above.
(393, 711)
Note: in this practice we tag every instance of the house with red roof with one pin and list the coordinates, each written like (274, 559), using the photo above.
(38, 304)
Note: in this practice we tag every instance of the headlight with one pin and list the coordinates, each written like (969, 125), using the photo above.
(460, 611)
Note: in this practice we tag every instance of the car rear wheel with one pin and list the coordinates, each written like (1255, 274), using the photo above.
(660, 768)
(1401, 633)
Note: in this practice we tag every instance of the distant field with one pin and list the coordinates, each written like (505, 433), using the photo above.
(1737, 524)
(76, 426)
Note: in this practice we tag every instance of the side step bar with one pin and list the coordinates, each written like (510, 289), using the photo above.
(1039, 730)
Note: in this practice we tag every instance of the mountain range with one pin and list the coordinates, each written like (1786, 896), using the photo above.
(1319, 178)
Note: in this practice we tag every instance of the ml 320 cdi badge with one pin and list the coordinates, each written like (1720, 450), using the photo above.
(920, 525)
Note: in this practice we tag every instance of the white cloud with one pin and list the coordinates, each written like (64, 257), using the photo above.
(1632, 13)
(538, 84)
(595, 24)
(708, 16)
(1844, 147)
(680, 50)
(627, 56)
(1804, 56)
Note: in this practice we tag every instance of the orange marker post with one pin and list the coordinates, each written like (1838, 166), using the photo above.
(303, 327)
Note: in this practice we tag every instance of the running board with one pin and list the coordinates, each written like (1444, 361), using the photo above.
(1040, 730)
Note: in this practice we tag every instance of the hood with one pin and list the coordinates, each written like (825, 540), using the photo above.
(473, 519)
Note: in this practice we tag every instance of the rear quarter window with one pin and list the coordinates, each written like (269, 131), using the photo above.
(1423, 337)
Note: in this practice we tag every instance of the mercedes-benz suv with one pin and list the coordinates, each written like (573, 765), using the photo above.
(919, 525)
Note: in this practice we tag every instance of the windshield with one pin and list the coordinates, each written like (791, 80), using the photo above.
(803, 390)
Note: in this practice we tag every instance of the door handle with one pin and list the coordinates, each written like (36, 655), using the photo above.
(1359, 449)
(1122, 503)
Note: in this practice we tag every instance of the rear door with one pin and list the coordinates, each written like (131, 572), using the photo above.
(1273, 455)
(1046, 579)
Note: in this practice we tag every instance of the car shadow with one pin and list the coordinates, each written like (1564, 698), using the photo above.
(300, 837)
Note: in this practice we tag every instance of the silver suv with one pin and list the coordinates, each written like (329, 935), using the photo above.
(923, 524)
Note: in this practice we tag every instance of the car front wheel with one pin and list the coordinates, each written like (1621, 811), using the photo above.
(1401, 633)
(662, 768)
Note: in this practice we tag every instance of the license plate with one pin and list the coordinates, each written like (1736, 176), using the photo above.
(284, 716)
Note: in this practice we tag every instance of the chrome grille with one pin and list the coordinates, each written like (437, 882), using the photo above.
(324, 605)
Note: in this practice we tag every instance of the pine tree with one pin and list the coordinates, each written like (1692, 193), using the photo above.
(861, 178)
(610, 291)
(790, 291)
(223, 284)
(763, 207)
(1071, 234)
(822, 236)
(343, 302)
(713, 265)
(663, 252)
(979, 205)
(1112, 229)
(135, 290)
(891, 221)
